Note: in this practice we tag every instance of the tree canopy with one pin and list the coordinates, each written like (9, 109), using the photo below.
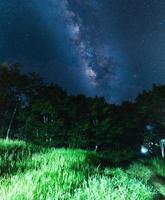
(35, 111)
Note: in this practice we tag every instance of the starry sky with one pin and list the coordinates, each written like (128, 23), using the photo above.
(110, 48)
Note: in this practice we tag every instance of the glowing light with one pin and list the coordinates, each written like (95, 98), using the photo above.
(144, 150)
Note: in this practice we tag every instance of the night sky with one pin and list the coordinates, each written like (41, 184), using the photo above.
(110, 48)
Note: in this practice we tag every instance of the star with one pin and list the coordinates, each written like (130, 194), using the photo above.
(103, 48)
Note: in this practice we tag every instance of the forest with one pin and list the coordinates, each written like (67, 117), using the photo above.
(45, 114)
(58, 146)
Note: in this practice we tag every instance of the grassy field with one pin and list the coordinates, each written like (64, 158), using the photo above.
(29, 172)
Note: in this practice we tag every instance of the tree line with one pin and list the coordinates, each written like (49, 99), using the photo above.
(46, 114)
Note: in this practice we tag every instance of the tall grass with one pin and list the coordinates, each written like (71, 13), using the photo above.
(67, 174)
(12, 153)
(158, 166)
(119, 187)
(140, 171)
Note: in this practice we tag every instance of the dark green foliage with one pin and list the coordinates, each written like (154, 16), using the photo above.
(45, 114)
(12, 153)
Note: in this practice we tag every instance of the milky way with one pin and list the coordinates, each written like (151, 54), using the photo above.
(110, 48)
(100, 66)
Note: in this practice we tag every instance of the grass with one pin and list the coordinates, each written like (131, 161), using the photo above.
(34, 173)
(13, 154)
(158, 166)
(140, 171)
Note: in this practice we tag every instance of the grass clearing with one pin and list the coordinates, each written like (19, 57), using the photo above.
(68, 174)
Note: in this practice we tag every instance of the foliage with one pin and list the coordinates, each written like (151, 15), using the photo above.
(119, 187)
(12, 153)
(158, 166)
(46, 115)
(140, 171)
(66, 174)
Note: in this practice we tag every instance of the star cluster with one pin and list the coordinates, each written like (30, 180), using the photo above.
(110, 48)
